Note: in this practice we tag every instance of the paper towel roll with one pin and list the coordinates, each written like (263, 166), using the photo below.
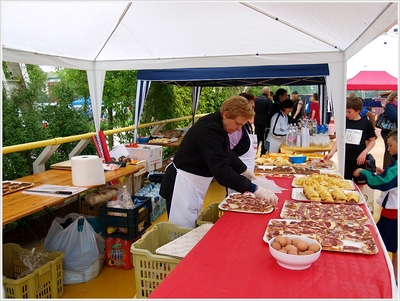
(87, 171)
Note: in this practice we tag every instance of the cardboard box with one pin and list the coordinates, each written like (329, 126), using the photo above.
(151, 153)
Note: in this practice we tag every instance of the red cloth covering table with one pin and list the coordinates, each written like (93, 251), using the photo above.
(233, 261)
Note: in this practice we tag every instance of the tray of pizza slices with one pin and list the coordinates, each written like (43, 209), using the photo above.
(245, 202)
(13, 186)
(333, 236)
(323, 212)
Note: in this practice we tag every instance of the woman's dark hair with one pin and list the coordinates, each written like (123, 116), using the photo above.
(278, 93)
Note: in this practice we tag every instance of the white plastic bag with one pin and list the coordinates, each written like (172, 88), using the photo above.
(84, 249)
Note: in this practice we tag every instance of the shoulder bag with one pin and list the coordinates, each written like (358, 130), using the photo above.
(384, 123)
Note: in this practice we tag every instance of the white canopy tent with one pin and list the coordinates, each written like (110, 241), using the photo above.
(119, 35)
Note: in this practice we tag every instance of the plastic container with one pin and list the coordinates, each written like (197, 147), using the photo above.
(44, 282)
(136, 220)
(150, 268)
(143, 139)
(297, 159)
(210, 215)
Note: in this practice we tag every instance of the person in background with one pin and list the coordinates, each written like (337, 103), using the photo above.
(365, 113)
(358, 131)
(279, 96)
(242, 141)
(271, 95)
(385, 180)
(314, 108)
(204, 154)
(279, 126)
(391, 111)
(329, 109)
(262, 107)
(298, 108)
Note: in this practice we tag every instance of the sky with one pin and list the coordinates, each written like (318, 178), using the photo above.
(376, 56)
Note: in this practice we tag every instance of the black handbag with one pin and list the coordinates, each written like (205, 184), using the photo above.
(384, 123)
(370, 163)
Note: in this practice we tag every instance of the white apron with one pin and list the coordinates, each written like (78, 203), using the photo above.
(188, 198)
(249, 158)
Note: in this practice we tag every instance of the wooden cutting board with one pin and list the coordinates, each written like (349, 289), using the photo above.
(65, 165)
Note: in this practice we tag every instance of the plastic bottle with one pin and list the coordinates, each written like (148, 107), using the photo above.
(298, 137)
(305, 136)
(291, 136)
(315, 127)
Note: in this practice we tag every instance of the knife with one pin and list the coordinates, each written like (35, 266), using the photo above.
(51, 192)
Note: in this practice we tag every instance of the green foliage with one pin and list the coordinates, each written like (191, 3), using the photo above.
(20, 125)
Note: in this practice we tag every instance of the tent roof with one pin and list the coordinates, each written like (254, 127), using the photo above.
(123, 35)
(372, 80)
(307, 74)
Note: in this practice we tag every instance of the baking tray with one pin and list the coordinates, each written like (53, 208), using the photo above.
(224, 202)
(16, 186)
(358, 241)
(324, 212)
(298, 195)
(350, 182)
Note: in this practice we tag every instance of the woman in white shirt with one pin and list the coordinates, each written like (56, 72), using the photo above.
(279, 125)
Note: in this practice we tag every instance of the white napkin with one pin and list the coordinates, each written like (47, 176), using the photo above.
(262, 181)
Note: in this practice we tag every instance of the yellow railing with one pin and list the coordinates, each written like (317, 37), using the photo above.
(61, 140)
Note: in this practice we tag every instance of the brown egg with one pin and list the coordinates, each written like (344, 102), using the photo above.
(295, 241)
(302, 245)
(281, 240)
(283, 251)
(314, 248)
(288, 241)
(276, 245)
(293, 252)
(308, 252)
(301, 253)
(290, 248)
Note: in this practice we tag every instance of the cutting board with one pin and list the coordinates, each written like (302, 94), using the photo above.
(65, 165)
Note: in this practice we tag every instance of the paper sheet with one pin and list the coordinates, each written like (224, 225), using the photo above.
(51, 188)
(262, 181)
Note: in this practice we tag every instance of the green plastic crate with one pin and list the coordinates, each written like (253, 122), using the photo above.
(44, 282)
(150, 268)
(210, 215)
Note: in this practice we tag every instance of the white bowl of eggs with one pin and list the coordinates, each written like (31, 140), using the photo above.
(294, 252)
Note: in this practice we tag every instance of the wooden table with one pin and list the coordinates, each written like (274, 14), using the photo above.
(310, 149)
(18, 205)
(232, 261)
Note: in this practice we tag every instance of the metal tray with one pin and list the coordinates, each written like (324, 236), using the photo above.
(298, 195)
(323, 212)
(221, 206)
(363, 244)
(16, 186)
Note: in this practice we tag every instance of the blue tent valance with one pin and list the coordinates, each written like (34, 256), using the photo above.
(276, 75)
(273, 75)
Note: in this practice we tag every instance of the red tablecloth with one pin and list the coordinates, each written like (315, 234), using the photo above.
(233, 261)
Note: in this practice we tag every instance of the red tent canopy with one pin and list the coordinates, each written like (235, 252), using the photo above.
(372, 80)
